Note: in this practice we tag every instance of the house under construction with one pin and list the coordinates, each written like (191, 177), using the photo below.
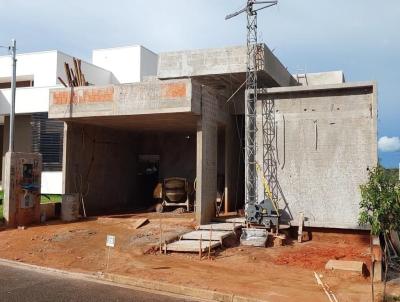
(120, 140)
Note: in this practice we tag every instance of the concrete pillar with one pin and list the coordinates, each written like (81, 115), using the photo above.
(22, 180)
(67, 186)
(206, 169)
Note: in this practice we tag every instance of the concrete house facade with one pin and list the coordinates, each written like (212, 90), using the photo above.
(181, 124)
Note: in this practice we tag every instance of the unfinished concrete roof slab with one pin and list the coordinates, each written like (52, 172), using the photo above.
(159, 123)
(222, 66)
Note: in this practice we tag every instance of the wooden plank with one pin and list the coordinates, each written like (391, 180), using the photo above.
(220, 226)
(216, 235)
(237, 220)
(78, 78)
(191, 245)
(140, 223)
(345, 265)
(68, 74)
(62, 82)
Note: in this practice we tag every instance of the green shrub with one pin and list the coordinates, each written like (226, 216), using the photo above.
(380, 201)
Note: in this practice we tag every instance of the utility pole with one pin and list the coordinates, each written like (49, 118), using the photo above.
(13, 49)
(251, 9)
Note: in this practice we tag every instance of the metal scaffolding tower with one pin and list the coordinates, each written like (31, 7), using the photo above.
(254, 61)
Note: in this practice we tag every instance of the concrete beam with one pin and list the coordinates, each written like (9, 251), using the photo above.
(151, 97)
(224, 62)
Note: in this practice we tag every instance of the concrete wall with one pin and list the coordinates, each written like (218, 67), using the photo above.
(326, 141)
(148, 63)
(320, 78)
(98, 162)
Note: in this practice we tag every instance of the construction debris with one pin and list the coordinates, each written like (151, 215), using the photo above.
(345, 265)
(75, 76)
(140, 222)
(254, 237)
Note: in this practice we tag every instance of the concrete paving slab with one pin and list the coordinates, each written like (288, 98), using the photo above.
(224, 226)
(238, 220)
(191, 245)
(205, 235)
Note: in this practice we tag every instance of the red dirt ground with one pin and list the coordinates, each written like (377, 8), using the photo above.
(274, 274)
(313, 256)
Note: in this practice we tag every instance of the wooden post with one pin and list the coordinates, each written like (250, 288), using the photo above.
(209, 247)
(200, 247)
(160, 237)
(300, 231)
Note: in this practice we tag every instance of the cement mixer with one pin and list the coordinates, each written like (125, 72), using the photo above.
(175, 193)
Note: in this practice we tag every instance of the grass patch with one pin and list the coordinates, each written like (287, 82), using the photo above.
(49, 198)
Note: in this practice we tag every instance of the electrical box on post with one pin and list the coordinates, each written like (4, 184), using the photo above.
(22, 181)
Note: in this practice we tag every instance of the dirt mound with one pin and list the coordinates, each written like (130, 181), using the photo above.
(315, 257)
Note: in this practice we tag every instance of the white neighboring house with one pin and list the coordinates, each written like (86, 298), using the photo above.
(37, 73)
(129, 64)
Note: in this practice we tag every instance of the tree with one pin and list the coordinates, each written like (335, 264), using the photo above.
(380, 208)
(380, 202)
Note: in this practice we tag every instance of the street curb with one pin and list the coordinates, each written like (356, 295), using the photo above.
(139, 283)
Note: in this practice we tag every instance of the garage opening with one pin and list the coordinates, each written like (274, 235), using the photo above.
(124, 169)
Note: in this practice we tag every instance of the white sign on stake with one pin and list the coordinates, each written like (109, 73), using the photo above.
(110, 242)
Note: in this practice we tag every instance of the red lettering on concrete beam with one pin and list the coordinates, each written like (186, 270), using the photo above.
(173, 91)
(85, 96)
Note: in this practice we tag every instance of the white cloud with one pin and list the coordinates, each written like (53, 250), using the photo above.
(389, 144)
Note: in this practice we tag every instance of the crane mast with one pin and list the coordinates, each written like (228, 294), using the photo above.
(254, 62)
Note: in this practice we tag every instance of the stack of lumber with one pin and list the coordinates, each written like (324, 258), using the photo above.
(75, 76)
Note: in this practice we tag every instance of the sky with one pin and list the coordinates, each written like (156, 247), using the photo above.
(360, 37)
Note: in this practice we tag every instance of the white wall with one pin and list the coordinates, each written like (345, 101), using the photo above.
(44, 68)
(41, 66)
(128, 64)
(149, 62)
(27, 100)
(51, 182)
(95, 75)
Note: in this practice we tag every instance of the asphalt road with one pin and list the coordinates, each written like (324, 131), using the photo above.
(22, 285)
